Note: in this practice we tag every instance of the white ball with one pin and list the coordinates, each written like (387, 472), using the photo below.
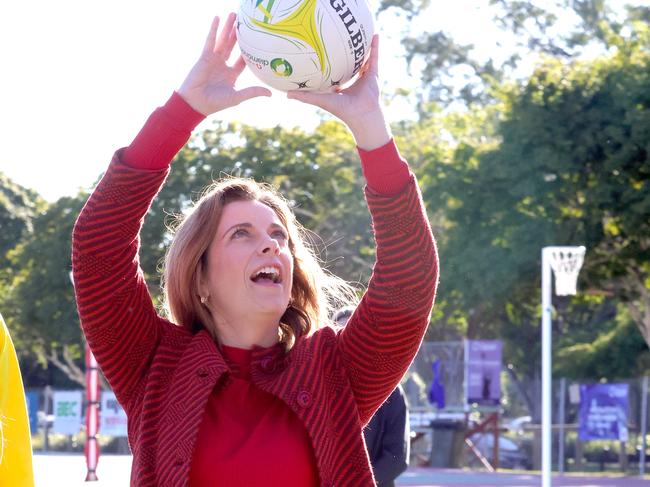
(312, 45)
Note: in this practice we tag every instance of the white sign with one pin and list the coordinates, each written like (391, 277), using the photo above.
(113, 417)
(574, 393)
(66, 406)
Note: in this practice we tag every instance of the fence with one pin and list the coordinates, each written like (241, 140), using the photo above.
(58, 415)
(57, 419)
(518, 435)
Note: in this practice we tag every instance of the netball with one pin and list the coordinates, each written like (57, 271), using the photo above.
(314, 45)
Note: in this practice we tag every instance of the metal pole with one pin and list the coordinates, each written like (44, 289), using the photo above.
(466, 376)
(561, 420)
(644, 424)
(47, 407)
(546, 369)
(92, 415)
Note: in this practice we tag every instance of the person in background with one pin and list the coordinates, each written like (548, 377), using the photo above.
(15, 440)
(388, 434)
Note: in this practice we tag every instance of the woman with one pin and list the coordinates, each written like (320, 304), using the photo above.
(242, 384)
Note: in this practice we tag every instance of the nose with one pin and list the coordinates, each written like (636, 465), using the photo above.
(270, 246)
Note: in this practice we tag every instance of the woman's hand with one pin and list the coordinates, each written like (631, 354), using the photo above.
(210, 85)
(358, 106)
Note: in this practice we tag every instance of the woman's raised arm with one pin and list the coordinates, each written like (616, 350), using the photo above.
(115, 308)
(384, 333)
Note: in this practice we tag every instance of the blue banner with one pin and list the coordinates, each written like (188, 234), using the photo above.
(437, 389)
(603, 412)
(32, 409)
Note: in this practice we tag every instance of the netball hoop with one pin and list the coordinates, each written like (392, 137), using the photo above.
(566, 263)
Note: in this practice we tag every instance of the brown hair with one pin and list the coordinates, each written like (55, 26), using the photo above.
(315, 292)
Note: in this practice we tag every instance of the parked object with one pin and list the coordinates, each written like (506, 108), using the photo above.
(510, 454)
(446, 443)
(519, 425)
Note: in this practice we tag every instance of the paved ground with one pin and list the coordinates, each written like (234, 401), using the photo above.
(55, 470)
(426, 477)
(64, 470)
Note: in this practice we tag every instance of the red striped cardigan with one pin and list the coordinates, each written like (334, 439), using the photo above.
(162, 374)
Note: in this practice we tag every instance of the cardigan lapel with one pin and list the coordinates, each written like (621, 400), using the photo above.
(199, 369)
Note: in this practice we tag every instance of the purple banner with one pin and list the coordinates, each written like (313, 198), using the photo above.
(483, 371)
(603, 412)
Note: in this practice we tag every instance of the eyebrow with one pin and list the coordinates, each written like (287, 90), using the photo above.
(250, 225)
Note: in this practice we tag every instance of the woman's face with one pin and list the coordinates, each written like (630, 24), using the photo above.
(250, 266)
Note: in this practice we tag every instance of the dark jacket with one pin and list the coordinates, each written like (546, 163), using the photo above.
(388, 439)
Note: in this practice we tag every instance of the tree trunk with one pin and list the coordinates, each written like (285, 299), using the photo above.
(622, 456)
(66, 364)
(640, 307)
(579, 455)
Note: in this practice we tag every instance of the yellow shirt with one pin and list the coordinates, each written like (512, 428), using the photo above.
(15, 440)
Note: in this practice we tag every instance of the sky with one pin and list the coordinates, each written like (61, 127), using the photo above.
(80, 77)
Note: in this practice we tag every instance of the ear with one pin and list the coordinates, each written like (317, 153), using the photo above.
(201, 280)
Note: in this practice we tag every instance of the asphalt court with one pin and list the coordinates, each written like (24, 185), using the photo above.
(58, 470)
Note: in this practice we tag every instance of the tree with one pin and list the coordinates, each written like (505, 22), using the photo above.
(40, 298)
(582, 131)
(18, 206)
(562, 29)
(565, 163)
(617, 352)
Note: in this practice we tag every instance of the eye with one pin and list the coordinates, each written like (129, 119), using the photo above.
(280, 234)
(239, 233)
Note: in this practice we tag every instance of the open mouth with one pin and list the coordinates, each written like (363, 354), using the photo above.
(267, 275)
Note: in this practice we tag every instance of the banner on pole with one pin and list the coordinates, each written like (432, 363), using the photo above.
(32, 410)
(603, 412)
(483, 371)
(66, 406)
(437, 389)
(113, 417)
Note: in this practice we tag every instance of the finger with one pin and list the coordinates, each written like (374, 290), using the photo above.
(373, 60)
(209, 42)
(364, 68)
(238, 67)
(250, 92)
(232, 38)
(221, 47)
(318, 99)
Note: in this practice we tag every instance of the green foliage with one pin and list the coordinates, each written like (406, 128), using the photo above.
(568, 164)
(411, 7)
(564, 30)
(39, 301)
(620, 351)
(18, 206)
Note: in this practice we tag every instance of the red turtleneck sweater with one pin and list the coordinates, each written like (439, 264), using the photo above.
(250, 437)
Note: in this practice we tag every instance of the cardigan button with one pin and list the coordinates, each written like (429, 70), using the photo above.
(202, 372)
(267, 364)
(304, 399)
(178, 460)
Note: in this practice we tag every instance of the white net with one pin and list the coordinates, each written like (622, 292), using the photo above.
(566, 263)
